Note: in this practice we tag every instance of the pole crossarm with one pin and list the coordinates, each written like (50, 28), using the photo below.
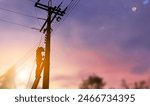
(42, 6)
(58, 13)
(53, 9)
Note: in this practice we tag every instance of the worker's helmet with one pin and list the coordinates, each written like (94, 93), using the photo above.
(40, 49)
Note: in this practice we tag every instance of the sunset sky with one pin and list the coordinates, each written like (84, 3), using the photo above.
(108, 38)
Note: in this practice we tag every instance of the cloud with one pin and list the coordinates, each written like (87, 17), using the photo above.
(107, 60)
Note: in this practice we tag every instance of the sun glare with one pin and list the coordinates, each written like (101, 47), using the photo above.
(23, 75)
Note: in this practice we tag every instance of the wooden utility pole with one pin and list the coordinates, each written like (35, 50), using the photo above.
(53, 13)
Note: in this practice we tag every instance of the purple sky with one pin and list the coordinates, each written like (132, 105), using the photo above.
(109, 38)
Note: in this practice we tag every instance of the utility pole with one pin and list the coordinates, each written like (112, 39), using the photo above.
(53, 13)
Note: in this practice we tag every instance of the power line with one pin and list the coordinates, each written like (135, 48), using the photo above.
(17, 24)
(37, 16)
(30, 75)
(27, 55)
(18, 13)
(31, 1)
(71, 6)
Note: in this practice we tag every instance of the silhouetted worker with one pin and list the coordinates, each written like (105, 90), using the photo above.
(39, 60)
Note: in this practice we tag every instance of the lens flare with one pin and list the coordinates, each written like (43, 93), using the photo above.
(145, 2)
(134, 9)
